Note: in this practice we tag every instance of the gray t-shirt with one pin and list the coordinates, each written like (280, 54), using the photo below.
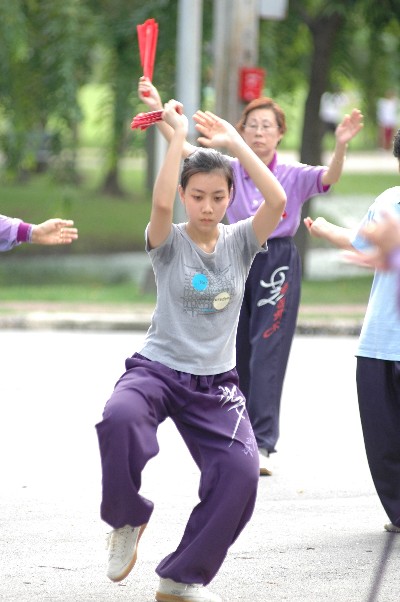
(199, 294)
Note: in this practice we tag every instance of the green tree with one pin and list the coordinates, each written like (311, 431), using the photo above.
(45, 55)
(328, 42)
(122, 69)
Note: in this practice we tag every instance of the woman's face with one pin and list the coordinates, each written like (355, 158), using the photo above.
(262, 133)
(206, 198)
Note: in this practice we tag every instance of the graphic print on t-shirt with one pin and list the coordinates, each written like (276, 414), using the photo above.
(207, 292)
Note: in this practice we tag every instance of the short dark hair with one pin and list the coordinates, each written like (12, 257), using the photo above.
(206, 160)
(396, 145)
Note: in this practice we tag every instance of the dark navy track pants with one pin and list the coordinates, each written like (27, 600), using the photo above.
(266, 328)
(378, 387)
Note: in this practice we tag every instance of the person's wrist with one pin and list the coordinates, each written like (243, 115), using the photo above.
(394, 259)
(181, 130)
(34, 235)
(236, 142)
(338, 161)
(339, 155)
(24, 232)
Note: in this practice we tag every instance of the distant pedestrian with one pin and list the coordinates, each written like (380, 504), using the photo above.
(269, 311)
(13, 231)
(185, 369)
(331, 109)
(387, 118)
(378, 352)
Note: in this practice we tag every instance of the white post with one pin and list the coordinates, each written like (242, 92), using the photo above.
(188, 62)
(188, 59)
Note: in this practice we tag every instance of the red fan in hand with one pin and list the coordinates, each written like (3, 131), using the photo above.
(147, 37)
(143, 120)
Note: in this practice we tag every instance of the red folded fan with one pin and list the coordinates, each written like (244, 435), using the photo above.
(143, 120)
(147, 37)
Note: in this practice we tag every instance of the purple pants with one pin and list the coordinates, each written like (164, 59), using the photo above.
(209, 413)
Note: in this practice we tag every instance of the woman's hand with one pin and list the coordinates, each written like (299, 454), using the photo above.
(384, 234)
(149, 94)
(349, 127)
(316, 227)
(215, 132)
(174, 116)
(54, 232)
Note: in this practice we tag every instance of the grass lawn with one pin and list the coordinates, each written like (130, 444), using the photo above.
(123, 293)
(344, 291)
(371, 184)
(106, 224)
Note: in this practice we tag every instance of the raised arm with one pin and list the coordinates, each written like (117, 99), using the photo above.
(216, 133)
(336, 235)
(345, 131)
(166, 184)
(149, 95)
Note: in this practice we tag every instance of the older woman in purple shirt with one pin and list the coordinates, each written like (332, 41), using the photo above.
(269, 311)
(13, 231)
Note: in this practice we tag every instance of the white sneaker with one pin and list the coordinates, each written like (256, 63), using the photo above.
(265, 463)
(171, 591)
(392, 528)
(122, 545)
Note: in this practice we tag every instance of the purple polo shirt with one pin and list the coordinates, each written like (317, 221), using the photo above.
(12, 232)
(299, 181)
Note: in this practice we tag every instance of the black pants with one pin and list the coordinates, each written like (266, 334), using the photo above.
(378, 386)
(266, 328)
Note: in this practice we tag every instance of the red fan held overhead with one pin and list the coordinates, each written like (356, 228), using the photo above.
(147, 37)
(143, 120)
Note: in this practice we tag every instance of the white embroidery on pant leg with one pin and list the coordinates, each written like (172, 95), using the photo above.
(250, 445)
(234, 397)
(275, 285)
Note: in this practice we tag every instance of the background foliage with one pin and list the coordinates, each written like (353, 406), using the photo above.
(54, 51)
(68, 92)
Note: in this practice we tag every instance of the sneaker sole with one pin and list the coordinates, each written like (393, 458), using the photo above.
(392, 528)
(132, 562)
(160, 597)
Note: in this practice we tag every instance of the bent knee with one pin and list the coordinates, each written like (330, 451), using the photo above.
(122, 412)
(242, 466)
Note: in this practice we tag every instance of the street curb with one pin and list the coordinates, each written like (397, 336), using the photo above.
(74, 321)
(350, 328)
(141, 322)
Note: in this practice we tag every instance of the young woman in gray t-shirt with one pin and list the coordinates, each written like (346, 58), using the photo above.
(185, 369)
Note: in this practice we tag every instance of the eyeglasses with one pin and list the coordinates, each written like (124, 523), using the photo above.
(265, 127)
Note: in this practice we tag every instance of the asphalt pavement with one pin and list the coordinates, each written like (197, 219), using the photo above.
(317, 530)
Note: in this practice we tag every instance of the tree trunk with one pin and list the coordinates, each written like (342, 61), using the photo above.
(122, 86)
(111, 183)
(323, 30)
